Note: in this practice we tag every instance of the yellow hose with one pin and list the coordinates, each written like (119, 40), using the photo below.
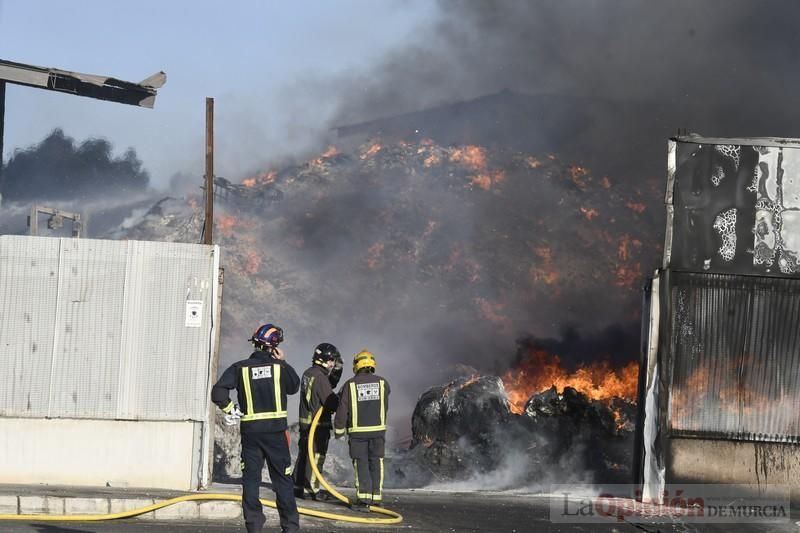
(395, 518)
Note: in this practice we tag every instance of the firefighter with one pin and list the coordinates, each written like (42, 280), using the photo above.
(315, 392)
(363, 405)
(262, 383)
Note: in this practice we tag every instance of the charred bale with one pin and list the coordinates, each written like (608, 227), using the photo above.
(595, 436)
(456, 425)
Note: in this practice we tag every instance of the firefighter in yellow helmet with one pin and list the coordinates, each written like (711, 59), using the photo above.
(363, 404)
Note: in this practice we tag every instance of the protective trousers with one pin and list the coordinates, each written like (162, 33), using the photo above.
(272, 447)
(367, 455)
(304, 477)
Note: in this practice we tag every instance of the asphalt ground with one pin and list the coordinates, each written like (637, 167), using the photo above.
(424, 512)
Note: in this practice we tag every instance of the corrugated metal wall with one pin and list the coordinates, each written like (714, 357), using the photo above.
(736, 349)
(64, 352)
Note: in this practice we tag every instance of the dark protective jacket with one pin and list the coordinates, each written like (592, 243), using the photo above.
(363, 405)
(316, 391)
(262, 384)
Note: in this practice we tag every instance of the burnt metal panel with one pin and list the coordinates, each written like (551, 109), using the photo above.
(735, 349)
(736, 209)
(101, 87)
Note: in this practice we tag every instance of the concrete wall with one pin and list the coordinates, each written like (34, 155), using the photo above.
(99, 452)
(691, 460)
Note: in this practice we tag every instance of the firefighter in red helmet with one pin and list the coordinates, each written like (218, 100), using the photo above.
(262, 383)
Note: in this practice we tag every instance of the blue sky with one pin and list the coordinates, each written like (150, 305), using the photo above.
(265, 63)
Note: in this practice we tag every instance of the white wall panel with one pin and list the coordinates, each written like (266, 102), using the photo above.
(28, 286)
(97, 330)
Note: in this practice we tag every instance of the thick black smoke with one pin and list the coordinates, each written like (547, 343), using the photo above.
(608, 80)
(58, 168)
(616, 344)
(637, 70)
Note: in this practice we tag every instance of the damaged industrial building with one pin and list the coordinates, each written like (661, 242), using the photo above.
(719, 400)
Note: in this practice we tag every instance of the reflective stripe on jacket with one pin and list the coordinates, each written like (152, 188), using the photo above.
(262, 384)
(316, 391)
(363, 406)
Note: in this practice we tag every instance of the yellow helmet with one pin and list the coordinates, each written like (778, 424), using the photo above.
(363, 359)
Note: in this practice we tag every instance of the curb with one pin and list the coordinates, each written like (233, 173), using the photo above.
(67, 506)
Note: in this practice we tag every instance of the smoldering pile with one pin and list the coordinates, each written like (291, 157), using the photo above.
(489, 234)
(467, 429)
(430, 239)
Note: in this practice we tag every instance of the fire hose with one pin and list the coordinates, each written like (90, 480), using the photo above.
(393, 517)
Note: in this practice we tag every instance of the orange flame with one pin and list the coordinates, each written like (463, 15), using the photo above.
(432, 160)
(252, 262)
(226, 224)
(589, 212)
(470, 156)
(533, 162)
(373, 149)
(706, 389)
(636, 207)
(262, 178)
(330, 151)
(493, 313)
(580, 176)
(540, 371)
(546, 271)
(625, 244)
(486, 181)
(627, 274)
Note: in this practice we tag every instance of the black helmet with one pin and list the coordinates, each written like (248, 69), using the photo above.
(325, 352)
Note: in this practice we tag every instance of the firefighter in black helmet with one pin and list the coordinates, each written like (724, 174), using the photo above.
(315, 392)
(363, 405)
(262, 383)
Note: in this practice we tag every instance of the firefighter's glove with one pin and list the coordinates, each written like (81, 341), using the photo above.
(232, 418)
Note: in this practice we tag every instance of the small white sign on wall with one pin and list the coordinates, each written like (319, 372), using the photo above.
(194, 313)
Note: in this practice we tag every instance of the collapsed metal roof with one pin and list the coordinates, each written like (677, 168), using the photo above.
(142, 94)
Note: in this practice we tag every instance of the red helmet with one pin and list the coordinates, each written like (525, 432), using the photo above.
(267, 335)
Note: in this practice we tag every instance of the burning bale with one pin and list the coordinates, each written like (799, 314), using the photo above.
(469, 427)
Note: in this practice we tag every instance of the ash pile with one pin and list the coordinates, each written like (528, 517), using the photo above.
(466, 431)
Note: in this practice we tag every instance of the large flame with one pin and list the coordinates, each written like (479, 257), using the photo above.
(541, 371)
(262, 178)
